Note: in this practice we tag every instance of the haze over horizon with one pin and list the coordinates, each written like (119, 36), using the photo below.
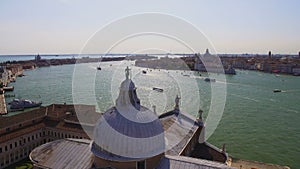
(64, 26)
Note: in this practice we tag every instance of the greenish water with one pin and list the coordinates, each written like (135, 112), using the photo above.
(257, 124)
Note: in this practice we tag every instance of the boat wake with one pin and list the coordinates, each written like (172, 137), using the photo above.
(246, 98)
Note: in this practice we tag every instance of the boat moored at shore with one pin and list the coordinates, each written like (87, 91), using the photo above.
(23, 103)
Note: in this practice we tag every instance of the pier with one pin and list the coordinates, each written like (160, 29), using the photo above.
(3, 109)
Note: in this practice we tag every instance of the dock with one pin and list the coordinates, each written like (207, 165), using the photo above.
(3, 109)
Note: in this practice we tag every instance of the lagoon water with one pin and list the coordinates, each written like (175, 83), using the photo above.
(256, 124)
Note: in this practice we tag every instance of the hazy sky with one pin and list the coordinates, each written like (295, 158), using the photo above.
(232, 26)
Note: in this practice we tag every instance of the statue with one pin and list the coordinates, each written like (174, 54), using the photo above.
(177, 99)
(200, 112)
(154, 109)
(127, 72)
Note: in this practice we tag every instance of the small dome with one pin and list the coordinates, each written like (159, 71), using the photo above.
(128, 129)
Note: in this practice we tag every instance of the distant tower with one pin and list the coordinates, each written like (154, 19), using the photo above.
(38, 58)
(207, 51)
(270, 54)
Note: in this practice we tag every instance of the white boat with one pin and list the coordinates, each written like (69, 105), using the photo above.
(23, 103)
(8, 88)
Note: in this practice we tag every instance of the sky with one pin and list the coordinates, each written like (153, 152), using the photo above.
(231, 26)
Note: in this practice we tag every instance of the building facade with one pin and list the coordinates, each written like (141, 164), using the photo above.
(20, 134)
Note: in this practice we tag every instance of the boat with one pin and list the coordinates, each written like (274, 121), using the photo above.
(8, 88)
(230, 70)
(9, 95)
(98, 68)
(23, 103)
(144, 71)
(277, 90)
(209, 79)
(158, 89)
(21, 75)
(275, 71)
(296, 74)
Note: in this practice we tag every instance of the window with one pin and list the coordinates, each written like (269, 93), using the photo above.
(0, 149)
(7, 129)
(16, 144)
(32, 137)
(33, 121)
(5, 148)
(20, 142)
(20, 125)
(141, 164)
(10, 146)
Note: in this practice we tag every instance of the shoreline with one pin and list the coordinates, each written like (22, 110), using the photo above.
(10, 70)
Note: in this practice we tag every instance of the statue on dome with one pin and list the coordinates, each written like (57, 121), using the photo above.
(177, 99)
(127, 72)
(200, 112)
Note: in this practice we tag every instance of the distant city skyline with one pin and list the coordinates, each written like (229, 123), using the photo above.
(232, 26)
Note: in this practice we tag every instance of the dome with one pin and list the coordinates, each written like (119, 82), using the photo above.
(128, 129)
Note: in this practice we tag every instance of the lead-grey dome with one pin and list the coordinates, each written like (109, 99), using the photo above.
(129, 129)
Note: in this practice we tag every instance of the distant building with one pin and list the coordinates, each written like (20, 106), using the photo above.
(212, 63)
(37, 58)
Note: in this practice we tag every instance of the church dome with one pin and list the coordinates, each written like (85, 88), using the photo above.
(128, 129)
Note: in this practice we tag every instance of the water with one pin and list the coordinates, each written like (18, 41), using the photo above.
(257, 124)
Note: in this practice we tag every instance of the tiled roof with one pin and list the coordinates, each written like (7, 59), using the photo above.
(179, 128)
(6, 121)
(63, 154)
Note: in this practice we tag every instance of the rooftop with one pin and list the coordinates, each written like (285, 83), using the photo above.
(63, 154)
(75, 153)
